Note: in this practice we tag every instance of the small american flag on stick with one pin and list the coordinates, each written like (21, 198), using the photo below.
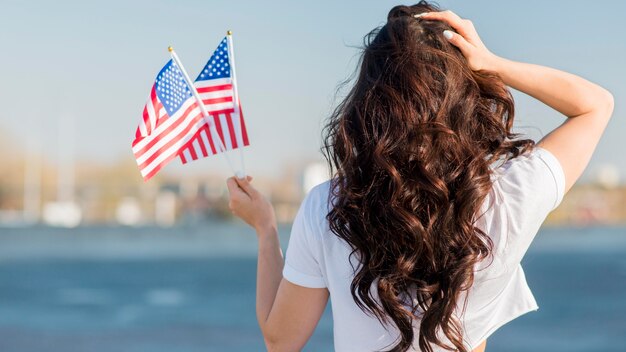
(190, 122)
(216, 85)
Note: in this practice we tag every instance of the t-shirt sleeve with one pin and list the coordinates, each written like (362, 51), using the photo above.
(532, 185)
(302, 258)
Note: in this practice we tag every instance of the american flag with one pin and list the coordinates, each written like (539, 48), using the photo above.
(215, 87)
(173, 124)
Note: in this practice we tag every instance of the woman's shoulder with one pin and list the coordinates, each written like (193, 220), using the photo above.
(525, 190)
(317, 199)
(534, 177)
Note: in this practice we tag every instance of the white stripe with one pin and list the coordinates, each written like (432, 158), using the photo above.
(216, 94)
(162, 157)
(161, 112)
(219, 106)
(165, 125)
(175, 148)
(142, 128)
(152, 114)
(196, 147)
(205, 140)
(212, 82)
(227, 142)
(165, 138)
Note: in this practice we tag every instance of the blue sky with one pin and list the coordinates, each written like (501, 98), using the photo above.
(96, 62)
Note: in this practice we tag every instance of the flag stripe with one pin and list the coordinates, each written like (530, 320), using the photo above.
(157, 168)
(192, 150)
(206, 140)
(232, 135)
(146, 159)
(172, 147)
(231, 130)
(218, 102)
(158, 141)
(202, 84)
(169, 125)
(152, 110)
(200, 144)
(209, 89)
(143, 126)
(225, 133)
(244, 133)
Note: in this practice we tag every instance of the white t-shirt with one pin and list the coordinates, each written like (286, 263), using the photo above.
(525, 189)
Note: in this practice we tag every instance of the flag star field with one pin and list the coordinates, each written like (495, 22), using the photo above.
(217, 66)
(171, 87)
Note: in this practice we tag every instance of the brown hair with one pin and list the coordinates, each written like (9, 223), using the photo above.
(410, 148)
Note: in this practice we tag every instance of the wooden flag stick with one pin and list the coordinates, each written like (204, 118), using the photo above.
(205, 114)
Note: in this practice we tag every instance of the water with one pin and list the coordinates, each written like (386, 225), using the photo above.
(193, 290)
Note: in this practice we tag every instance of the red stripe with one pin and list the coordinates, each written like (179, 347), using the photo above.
(155, 103)
(159, 167)
(192, 150)
(244, 133)
(160, 118)
(210, 138)
(167, 131)
(182, 157)
(181, 135)
(201, 142)
(218, 127)
(139, 138)
(223, 111)
(231, 130)
(189, 146)
(146, 119)
(217, 100)
(210, 89)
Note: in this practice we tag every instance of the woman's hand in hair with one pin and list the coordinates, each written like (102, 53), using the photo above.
(466, 39)
(247, 203)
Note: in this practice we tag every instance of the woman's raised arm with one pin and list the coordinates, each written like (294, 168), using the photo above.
(587, 105)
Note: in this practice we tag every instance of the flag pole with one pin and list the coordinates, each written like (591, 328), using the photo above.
(205, 114)
(231, 55)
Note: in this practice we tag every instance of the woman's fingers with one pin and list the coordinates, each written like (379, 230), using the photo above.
(244, 183)
(234, 189)
(458, 41)
(461, 26)
(248, 204)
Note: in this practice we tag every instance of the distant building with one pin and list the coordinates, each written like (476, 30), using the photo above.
(314, 174)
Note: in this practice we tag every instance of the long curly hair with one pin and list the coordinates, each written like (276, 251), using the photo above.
(410, 149)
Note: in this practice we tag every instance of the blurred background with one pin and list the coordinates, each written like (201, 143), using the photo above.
(94, 259)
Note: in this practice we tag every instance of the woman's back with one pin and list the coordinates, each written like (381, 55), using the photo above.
(423, 242)
(525, 190)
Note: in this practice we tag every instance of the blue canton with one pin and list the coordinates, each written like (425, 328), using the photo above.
(218, 65)
(171, 88)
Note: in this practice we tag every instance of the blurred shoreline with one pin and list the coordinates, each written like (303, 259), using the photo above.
(220, 239)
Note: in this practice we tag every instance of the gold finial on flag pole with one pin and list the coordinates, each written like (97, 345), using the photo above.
(229, 32)
(170, 49)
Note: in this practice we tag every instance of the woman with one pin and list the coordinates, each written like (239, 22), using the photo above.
(419, 235)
